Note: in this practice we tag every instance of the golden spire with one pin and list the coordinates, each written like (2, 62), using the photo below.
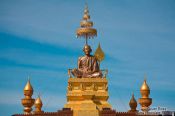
(86, 31)
(38, 105)
(28, 86)
(145, 91)
(38, 102)
(28, 102)
(133, 104)
(145, 101)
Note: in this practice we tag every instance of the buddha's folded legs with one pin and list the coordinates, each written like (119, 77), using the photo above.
(77, 73)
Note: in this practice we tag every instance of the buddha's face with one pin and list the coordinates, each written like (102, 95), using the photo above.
(87, 50)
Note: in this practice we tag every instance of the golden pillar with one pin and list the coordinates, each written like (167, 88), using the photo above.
(28, 102)
(38, 106)
(145, 101)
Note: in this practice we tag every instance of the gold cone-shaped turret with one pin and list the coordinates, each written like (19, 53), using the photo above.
(145, 101)
(86, 31)
(144, 90)
(28, 102)
(38, 102)
(28, 90)
(133, 104)
(38, 105)
(28, 86)
(144, 86)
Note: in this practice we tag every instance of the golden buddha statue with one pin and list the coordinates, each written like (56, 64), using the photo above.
(88, 66)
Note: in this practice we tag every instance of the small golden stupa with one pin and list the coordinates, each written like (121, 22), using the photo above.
(28, 102)
(145, 101)
(133, 104)
(38, 106)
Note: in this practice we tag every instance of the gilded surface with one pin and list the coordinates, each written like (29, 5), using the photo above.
(38, 106)
(87, 94)
(86, 30)
(145, 101)
(133, 104)
(28, 86)
(28, 101)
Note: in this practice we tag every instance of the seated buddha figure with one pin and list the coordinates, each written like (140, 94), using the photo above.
(88, 66)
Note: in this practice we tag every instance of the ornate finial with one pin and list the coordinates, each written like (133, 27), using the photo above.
(145, 91)
(86, 13)
(145, 101)
(28, 102)
(38, 105)
(86, 31)
(99, 54)
(28, 86)
(133, 104)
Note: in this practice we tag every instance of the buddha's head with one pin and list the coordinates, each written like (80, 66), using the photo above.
(87, 49)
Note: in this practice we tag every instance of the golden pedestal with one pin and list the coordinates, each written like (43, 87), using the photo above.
(87, 96)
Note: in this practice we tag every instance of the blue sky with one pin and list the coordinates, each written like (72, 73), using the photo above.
(37, 39)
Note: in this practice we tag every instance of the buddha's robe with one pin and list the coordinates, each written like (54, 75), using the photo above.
(87, 67)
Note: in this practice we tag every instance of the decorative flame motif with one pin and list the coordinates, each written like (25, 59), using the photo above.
(99, 54)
